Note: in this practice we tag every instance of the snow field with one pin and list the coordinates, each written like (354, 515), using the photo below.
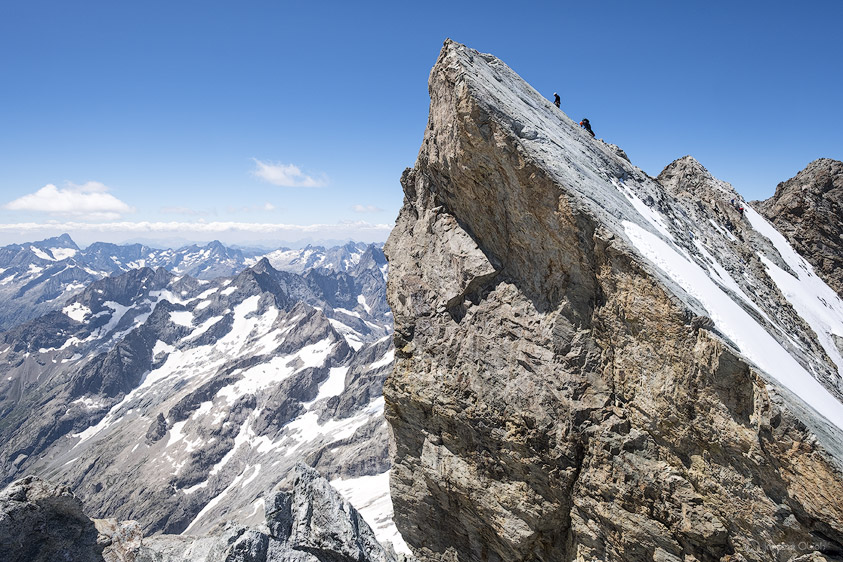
(181, 317)
(817, 303)
(76, 311)
(751, 338)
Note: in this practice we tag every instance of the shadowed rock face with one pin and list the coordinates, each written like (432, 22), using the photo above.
(310, 522)
(42, 522)
(808, 210)
(555, 396)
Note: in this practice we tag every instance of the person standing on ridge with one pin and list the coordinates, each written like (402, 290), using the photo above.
(587, 126)
(556, 100)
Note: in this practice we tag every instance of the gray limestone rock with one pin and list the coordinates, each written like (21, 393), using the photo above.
(321, 522)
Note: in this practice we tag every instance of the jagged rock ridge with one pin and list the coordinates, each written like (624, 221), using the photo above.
(808, 210)
(591, 365)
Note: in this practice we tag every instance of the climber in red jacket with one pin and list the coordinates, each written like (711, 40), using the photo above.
(587, 126)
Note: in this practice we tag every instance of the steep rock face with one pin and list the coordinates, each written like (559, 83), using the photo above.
(559, 392)
(807, 209)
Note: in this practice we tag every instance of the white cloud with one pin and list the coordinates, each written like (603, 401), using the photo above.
(87, 187)
(177, 233)
(198, 227)
(250, 208)
(90, 200)
(286, 175)
(366, 209)
(181, 211)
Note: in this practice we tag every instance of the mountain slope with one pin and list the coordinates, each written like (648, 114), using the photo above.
(591, 364)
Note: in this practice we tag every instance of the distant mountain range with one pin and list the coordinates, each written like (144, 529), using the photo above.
(180, 402)
(38, 277)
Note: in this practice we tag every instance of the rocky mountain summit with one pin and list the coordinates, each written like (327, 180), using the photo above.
(592, 364)
(808, 210)
(310, 522)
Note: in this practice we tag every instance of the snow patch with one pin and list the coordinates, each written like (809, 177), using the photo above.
(361, 300)
(332, 386)
(176, 433)
(387, 358)
(349, 312)
(196, 487)
(181, 317)
(89, 403)
(76, 311)
(162, 347)
(41, 254)
(370, 496)
(63, 253)
(203, 409)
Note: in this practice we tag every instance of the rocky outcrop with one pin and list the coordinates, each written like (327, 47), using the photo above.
(310, 522)
(807, 209)
(42, 522)
(560, 390)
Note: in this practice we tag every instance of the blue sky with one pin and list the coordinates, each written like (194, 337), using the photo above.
(268, 122)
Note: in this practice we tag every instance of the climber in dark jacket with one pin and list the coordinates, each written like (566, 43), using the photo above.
(556, 100)
(587, 126)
